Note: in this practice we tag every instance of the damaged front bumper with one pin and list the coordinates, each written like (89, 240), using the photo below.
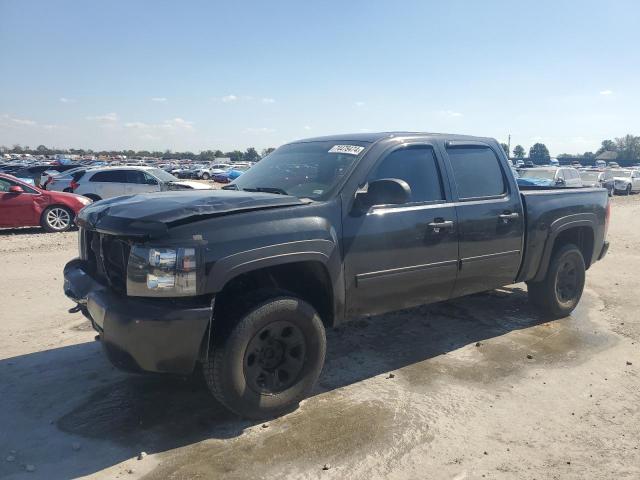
(140, 334)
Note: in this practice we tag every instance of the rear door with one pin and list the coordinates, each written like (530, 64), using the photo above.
(490, 217)
(399, 256)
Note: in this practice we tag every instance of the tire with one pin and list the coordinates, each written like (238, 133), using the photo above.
(205, 176)
(559, 293)
(68, 190)
(628, 190)
(270, 360)
(93, 197)
(57, 218)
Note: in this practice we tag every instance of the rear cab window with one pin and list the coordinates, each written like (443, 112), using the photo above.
(477, 172)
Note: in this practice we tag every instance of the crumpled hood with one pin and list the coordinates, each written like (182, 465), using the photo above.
(152, 214)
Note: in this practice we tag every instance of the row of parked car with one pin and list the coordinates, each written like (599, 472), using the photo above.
(219, 172)
(615, 180)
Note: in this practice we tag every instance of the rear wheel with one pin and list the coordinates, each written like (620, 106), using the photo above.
(559, 293)
(270, 360)
(205, 176)
(628, 190)
(93, 197)
(57, 219)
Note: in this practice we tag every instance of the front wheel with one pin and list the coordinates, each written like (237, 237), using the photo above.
(558, 294)
(270, 360)
(205, 176)
(628, 190)
(57, 219)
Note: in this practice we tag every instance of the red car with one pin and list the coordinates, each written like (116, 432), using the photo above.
(23, 205)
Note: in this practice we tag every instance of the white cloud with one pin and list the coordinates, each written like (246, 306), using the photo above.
(23, 121)
(606, 92)
(268, 100)
(175, 124)
(359, 104)
(229, 98)
(107, 117)
(306, 127)
(450, 113)
(261, 130)
(159, 99)
(67, 100)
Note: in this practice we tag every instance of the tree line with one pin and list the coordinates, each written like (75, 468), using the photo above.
(627, 149)
(249, 155)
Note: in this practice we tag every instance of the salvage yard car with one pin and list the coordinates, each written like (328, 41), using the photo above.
(626, 180)
(107, 182)
(24, 205)
(245, 280)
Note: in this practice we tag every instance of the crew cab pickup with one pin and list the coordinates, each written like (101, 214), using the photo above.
(244, 280)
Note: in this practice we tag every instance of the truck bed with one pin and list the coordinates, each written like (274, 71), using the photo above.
(550, 209)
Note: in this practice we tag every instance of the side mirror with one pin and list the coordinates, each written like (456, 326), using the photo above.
(386, 191)
(15, 189)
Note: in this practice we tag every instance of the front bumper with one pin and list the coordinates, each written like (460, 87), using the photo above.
(139, 334)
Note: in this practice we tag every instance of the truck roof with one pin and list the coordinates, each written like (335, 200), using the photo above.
(372, 137)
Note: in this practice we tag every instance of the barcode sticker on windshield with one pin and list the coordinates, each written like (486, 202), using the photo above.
(350, 149)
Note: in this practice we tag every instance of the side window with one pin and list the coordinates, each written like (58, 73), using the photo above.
(5, 184)
(418, 167)
(150, 179)
(115, 176)
(477, 172)
(135, 176)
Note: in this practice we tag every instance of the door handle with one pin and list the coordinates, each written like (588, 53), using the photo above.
(509, 216)
(438, 223)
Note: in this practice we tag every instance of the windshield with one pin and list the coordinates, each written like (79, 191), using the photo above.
(162, 175)
(305, 170)
(538, 173)
(621, 173)
(590, 176)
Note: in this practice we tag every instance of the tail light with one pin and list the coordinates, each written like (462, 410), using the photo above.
(73, 185)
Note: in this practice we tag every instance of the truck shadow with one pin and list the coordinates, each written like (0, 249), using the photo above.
(120, 415)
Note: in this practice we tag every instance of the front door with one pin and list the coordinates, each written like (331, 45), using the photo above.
(17, 209)
(490, 219)
(399, 256)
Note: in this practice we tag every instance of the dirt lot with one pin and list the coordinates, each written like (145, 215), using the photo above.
(481, 388)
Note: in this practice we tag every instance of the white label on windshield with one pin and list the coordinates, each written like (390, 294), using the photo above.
(350, 149)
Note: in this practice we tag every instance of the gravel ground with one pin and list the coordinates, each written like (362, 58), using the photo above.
(478, 387)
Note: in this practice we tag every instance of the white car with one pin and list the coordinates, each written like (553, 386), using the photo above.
(107, 182)
(61, 182)
(558, 176)
(206, 173)
(626, 180)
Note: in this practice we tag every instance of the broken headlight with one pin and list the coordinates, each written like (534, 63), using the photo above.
(162, 272)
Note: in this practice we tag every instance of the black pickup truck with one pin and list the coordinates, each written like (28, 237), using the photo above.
(245, 280)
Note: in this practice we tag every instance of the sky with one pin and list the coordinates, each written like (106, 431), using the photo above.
(194, 75)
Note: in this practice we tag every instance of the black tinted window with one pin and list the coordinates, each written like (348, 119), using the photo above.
(416, 166)
(109, 176)
(135, 176)
(477, 172)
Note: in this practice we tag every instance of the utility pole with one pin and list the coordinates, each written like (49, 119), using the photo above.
(509, 144)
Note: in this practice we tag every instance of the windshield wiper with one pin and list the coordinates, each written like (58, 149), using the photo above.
(276, 190)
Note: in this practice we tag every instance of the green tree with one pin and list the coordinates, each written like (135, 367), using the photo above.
(505, 147)
(519, 151)
(607, 146)
(589, 155)
(235, 156)
(628, 147)
(267, 151)
(251, 155)
(539, 153)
